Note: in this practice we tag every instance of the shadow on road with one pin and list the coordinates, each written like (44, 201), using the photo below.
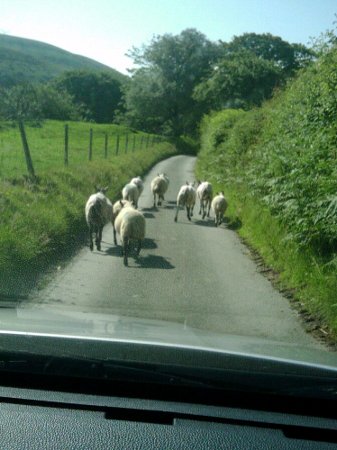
(235, 224)
(113, 251)
(153, 262)
(117, 250)
(205, 222)
(148, 215)
(148, 212)
(149, 243)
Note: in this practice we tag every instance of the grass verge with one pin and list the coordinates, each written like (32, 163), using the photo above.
(41, 220)
(306, 280)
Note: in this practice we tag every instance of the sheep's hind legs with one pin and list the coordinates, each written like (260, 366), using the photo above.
(138, 248)
(125, 251)
(99, 238)
(90, 239)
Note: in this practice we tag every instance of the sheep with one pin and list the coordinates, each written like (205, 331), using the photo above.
(186, 197)
(219, 206)
(159, 187)
(98, 212)
(130, 225)
(116, 209)
(139, 183)
(205, 195)
(130, 192)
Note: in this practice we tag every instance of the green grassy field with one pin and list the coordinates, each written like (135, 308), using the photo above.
(39, 219)
(47, 145)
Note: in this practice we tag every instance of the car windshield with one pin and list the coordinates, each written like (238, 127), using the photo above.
(168, 180)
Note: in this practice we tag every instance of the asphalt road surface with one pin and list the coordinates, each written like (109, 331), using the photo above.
(188, 272)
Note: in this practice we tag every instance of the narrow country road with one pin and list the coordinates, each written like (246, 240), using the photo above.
(188, 272)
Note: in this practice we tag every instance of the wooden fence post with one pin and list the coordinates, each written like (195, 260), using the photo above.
(66, 142)
(26, 150)
(90, 144)
(117, 144)
(106, 146)
(126, 143)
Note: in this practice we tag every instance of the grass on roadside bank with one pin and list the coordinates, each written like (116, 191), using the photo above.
(39, 220)
(310, 282)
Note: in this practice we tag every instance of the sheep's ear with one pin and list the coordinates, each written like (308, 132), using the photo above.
(121, 203)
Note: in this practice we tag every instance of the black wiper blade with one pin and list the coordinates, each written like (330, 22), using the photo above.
(171, 375)
(84, 368)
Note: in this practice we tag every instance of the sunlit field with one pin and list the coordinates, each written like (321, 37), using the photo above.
(47, 145)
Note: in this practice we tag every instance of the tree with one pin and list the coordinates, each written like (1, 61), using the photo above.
(97, 94)
(250, 68)
(56, 104)
(288, 57)
(20, 103)
(241, 80)
(159, 96)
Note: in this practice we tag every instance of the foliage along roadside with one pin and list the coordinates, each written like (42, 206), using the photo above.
(278, 168)
(39, 220)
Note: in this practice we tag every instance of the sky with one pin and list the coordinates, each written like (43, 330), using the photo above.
(105, 30)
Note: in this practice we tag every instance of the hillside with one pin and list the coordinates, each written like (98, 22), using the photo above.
(26, 60)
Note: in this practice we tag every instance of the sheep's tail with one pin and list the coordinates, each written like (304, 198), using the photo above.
(96, 213)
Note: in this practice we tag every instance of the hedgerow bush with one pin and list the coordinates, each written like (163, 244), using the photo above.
(285, 154)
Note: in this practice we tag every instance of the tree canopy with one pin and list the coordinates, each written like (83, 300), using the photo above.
(159, 97)
(250, 68)
(241, 80)
(288, 57)
(182, 77)
(97, 94)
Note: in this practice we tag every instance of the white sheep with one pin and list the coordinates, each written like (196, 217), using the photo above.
(98, 212)
(139, 183)
(186, 197)
(130, 225)
(219, 206)
(205, 195)
(116, 209)
(159, 187)
(130, 192)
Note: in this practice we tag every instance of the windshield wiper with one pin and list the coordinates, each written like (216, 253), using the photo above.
(172, 375)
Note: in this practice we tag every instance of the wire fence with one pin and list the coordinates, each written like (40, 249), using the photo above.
(29, 150)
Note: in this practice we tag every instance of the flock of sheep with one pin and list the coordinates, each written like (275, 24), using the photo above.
(129, 223)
